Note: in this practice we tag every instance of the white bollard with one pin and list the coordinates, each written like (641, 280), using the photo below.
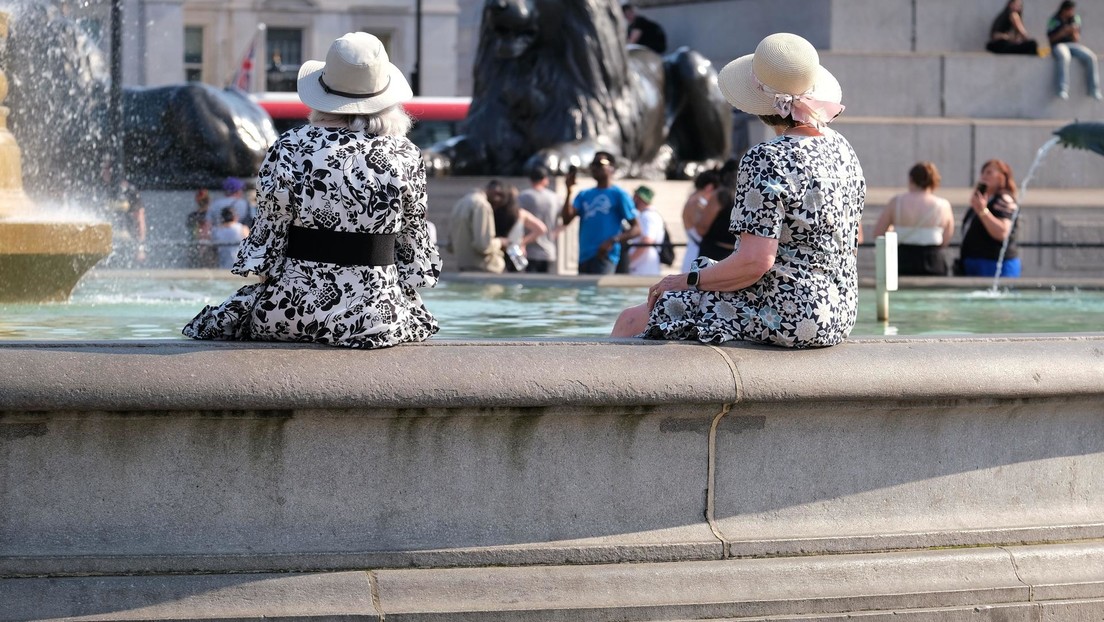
(885, 271)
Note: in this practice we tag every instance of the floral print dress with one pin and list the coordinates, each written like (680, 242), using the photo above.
(335, 180)
(807, 192)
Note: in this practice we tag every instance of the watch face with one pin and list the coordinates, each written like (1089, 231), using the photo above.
(692, 278)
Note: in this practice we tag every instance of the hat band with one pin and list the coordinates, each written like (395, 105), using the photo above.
(331, 91)
(803, 107)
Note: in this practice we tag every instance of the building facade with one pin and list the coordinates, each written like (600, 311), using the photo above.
(210, 41)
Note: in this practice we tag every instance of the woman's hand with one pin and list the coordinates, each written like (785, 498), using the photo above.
(669, 283)
(978, 202)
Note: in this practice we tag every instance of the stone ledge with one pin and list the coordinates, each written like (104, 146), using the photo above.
(168, 457)
(183, 375)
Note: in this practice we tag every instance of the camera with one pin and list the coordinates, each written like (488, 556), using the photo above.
(982, 188)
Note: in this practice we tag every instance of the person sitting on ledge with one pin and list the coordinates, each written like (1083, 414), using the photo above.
(340, 241)
(792, 279)
(1064, 33)
(1008, 35)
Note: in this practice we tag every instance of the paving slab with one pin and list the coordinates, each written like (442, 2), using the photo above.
(335, 596)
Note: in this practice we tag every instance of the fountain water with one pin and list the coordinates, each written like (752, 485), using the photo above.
(42, 258)
(1039, 155)
(75, 152)
(1078, 135)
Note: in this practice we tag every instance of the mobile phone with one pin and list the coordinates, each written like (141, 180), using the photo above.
(982, 188)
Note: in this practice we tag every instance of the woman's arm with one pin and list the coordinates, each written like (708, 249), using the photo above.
(995, 226)
(948, 223)
(1017, 24)
(423, 266)
(747, 265)
(263, 251)
(691, 210)
(567, 212)
(885, 220)
(533, 226)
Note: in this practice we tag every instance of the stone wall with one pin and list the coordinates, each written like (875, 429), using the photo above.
(156, 459)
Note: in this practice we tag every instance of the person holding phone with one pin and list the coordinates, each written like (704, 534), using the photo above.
(989, 223)
(601, 211)
(1064, 33)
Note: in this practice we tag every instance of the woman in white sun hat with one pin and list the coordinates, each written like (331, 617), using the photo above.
(792, 280)
(340, 239)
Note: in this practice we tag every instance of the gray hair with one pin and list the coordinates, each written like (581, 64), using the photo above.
(392, 121)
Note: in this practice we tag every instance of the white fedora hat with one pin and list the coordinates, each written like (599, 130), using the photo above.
(783, 64)
(357, 78)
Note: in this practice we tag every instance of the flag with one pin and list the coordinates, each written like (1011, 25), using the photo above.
(243, 77)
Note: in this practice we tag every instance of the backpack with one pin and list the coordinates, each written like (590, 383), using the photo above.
(666, 249)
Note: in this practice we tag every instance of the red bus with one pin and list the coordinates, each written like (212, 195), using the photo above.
(435, 118)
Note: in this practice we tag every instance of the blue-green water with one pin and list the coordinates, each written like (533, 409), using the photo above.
(156, 308)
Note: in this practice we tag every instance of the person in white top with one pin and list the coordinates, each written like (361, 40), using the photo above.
(705, 184)
(923, 222)
(227, 237)
(644, 249)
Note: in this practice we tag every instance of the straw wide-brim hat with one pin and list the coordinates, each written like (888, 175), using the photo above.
(784, 63)
(356, 78)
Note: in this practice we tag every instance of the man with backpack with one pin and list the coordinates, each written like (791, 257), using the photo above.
(644, 250)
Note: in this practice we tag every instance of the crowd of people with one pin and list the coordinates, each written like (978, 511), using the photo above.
(771, 252)
(217, 229)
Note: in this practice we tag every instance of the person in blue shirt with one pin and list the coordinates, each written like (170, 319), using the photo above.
(607, 217)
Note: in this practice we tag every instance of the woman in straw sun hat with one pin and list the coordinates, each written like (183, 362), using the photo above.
(791, 280)
(340, 239)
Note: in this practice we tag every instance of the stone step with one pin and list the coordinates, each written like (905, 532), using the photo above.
(723, 31)
(888, 146)
(1063, 581)
(942, 25)
(977, 85)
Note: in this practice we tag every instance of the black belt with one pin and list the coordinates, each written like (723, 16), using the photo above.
(345, 248)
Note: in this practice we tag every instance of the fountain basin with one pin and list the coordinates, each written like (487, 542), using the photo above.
(155, 304)
(43, 261)
(585, 479)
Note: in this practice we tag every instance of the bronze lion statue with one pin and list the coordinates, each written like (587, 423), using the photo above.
(555, 81)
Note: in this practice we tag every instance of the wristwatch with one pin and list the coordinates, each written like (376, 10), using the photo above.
(692, 278)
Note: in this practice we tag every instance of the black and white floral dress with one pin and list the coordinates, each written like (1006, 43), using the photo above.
(333, 180)
(807, 192)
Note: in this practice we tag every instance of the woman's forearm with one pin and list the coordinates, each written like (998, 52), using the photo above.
(747, 265)
(533, 227)
(995, 226)
(733, 273)
(1018, 25)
